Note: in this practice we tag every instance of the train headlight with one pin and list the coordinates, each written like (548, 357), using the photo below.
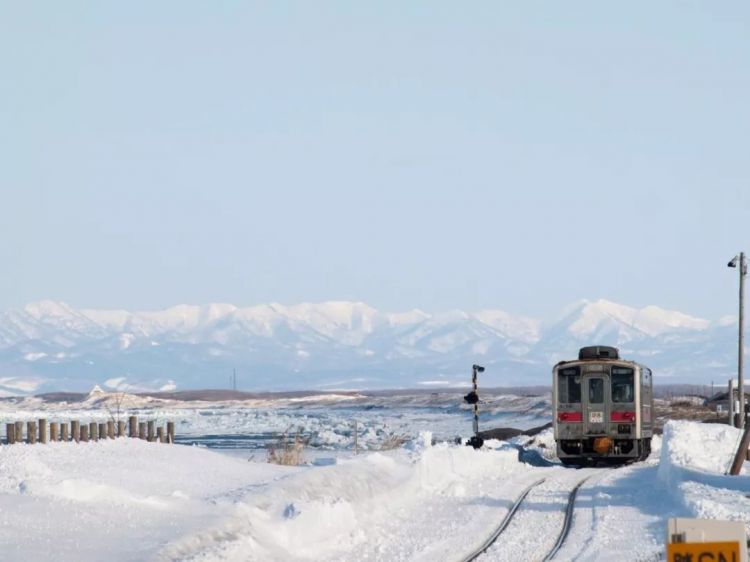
(623, 428)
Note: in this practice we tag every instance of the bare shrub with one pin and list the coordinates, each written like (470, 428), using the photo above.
(287, 452)
(115, 410)
(393, 441)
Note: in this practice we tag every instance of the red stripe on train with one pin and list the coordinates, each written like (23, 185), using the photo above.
(622, 416)
(569, 417)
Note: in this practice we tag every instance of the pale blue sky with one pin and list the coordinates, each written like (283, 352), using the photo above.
(409, 154)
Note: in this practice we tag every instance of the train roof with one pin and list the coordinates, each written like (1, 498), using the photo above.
(599, 354)
(607, 361)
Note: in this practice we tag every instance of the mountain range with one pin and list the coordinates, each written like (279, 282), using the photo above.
(340, 345)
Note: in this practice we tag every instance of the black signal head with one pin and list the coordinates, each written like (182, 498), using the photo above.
(472, 398)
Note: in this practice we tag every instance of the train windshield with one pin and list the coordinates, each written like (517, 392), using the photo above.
(569, 385)
(623, 389)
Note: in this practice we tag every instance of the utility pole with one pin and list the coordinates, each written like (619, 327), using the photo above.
(741, 261)
(741, 352)
(234, 379)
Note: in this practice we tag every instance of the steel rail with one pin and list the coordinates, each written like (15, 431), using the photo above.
(503, 524)
(568, 522)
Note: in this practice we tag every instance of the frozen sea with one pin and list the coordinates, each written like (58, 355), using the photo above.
(332, 426)
(322, 422)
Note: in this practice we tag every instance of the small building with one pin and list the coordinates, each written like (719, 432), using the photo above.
(719, 402)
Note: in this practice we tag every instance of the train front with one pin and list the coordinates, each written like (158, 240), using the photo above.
(601, 411)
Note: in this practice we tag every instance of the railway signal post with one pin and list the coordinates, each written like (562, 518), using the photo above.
(473, 398)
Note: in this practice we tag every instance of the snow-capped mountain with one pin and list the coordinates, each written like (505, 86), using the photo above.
(50, 345)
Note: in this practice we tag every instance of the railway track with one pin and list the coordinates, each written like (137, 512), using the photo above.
(491, 548)
(503, 524)
(568, 521)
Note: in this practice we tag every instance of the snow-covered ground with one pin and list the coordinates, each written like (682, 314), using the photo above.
(132, 500)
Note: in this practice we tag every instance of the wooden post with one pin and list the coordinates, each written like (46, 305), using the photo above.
(64, 432)
(170, 432)
(19, 432)
(739, 457)
(102, 430)
(120, 429)
(111, 429)
(42, 430)
(75, 430)
(133, 426)
(151, 434)
(53, 435)
(92, 431)
(84, 433)
(160, 434)
(10, 433)
(31, 432)
(142, 430)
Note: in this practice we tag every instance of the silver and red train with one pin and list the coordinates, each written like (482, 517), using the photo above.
(603, 408)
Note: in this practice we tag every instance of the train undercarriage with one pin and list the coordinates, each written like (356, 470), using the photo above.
(590, 451)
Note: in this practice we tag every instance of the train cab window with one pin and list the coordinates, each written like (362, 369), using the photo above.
(623, 389)
(569, 385)
(596, 391)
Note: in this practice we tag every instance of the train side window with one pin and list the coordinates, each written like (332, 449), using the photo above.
(623, 389)
(596, 391)
(569, 386)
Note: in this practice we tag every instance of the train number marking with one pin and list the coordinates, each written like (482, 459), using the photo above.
(596, 417)
(703, 552)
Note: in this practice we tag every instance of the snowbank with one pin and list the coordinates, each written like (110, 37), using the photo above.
(693, 461)
(696, 446)
(121, 498)
(358, 507)
(131, 500)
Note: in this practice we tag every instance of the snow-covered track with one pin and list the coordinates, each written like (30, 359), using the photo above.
(538, 529)
(567, 523)
(503, 524)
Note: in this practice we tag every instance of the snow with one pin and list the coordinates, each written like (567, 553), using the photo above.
(131, 500)
(117, 500)
(313, 344)
(651, 320)
(526, 330)
(95, 392)
(716, 444)
(327, 420)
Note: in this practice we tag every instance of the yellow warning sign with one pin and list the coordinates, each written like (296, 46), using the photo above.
(703, 552)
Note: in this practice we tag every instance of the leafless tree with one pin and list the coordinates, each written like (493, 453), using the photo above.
(115, 407)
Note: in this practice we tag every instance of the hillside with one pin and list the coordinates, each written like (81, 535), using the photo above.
(343, 345)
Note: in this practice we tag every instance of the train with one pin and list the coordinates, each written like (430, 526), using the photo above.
(602, 408)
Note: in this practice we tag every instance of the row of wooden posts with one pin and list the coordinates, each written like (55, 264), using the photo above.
(76, 431)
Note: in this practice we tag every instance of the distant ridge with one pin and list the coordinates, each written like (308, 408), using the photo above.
(338, 345)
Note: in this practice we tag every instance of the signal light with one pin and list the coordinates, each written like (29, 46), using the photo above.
(622, 416)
